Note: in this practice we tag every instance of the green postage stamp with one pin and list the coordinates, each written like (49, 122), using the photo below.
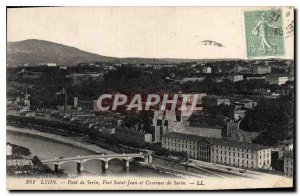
(264, 33)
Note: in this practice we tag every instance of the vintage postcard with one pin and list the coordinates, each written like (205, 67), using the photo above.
(150, 98)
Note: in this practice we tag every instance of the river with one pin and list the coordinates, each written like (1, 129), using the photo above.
(46, 149)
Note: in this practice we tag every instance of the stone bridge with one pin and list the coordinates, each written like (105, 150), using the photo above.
(104, 158)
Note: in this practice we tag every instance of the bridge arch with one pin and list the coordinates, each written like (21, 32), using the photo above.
(84, 160)
(105, 159)
(63, 162)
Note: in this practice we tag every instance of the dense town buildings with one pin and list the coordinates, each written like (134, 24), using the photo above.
(221, 142)
(23, 161)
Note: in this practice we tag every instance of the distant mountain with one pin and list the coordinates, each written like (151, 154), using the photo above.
(34, 52)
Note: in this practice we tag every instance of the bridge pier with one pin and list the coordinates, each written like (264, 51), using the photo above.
(56, 168)
(126, 169)
(149, 158)
(79, 167)
(126, 163)
(146, 159)
(104, 165)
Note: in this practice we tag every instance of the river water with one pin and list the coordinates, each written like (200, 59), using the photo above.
(47, 149)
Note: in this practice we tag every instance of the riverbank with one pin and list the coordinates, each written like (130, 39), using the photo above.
(73, 142)
(59, 138)
(173, 167)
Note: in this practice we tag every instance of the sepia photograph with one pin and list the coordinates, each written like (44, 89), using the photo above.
(150, 98)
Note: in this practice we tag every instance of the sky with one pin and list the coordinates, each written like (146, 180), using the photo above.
(154, 32)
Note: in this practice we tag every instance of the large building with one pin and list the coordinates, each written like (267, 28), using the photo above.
(247, 103)
(24, 161)
(285, 145)
(196, 147)
(288, 163)
(221, 151)
(241, 154)
(235, 78)
(206, 70)
(277, 79)
(233, 132)
(213, 100)
(51, 64)
(239, 69)
(83, 105)
(261, 70)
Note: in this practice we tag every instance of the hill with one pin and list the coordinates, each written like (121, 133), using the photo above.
(34, 52)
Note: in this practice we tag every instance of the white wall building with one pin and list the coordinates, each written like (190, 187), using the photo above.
(235, 78)
(220, 151)
(8, 150)
(196, 147)
(51, 64)
(247, 155)
(261, 69)
(276, 79)
(206, 70)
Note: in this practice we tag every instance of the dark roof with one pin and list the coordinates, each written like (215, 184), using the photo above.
(243, 145)
(183, 136)
(245, 100)
(216, 141)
